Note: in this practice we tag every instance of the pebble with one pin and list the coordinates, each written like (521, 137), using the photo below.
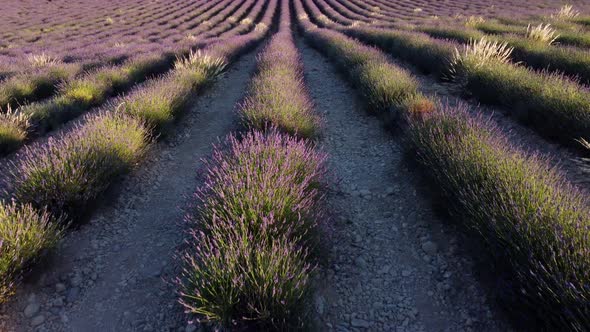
(60, 287)
(72, 294)
(355, 322)
(32, 309)
(429, 247)
(360, 262)
(38, 320)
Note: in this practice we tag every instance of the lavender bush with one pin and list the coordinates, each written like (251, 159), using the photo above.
(258, 216)
(24, 234)
(67, 173)
(13, 130)
(277, 93)
(265, 175)
(234, 278)
(531, 218)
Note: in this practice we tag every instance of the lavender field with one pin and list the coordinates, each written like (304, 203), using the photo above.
(282, 165)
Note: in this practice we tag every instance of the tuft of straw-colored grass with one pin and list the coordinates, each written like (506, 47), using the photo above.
(543, 33)
(211, 66)
(566, 12)
(260, 27)
(477, 53)
(42, 60)
(473, 21)
(246, 21)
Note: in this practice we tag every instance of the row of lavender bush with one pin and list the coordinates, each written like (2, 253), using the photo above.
(255, 225)
(88, 39)
(555, 106)
(64, 175)
(80, 95)
(535, 224)
(43, 82)
(29, 82)
(537, 52)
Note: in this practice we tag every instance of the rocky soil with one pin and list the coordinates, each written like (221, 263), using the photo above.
(394, 265)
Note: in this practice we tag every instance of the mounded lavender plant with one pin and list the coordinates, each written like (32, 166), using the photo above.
(532, 219)
(24, 234)
(265, 174)
(257, 220)
(68, 172)
(277, 93)
(235, 278)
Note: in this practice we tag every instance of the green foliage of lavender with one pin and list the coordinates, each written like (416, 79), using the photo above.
(533, 53)
(67, 173)
(277, 93)
(386, 88)
(531, 218)
(36, 85)
(79, 95)
(258, 217)
(556, 106)
(416, 48)
(24, 234)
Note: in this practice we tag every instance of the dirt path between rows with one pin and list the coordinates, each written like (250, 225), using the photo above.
(114, 273)
(394, 265)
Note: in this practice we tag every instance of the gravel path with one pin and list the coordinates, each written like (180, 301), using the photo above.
(114, 273)
(394, 265)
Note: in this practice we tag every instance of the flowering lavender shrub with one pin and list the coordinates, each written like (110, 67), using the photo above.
(13, 130)
(384, 85)
(531, 218)
(157, 103)
(258, 217)
(68, 172)
(24, 234)
(277, 93)
(36, 85)
(233, 279)
(265, 175)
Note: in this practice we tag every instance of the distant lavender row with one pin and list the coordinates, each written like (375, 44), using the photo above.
(165, 11)
(255, 225)
(535, 224)
(554, 105)
(277, 94)
(416, 11)
(91, 90)
(71, 170)
(122, 46)
(123, 41)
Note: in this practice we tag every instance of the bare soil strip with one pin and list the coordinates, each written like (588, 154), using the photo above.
(115, 273)
(394, 265)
